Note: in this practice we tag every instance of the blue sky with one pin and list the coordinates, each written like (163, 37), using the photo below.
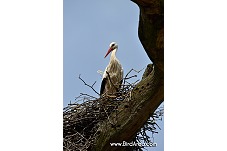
(89, 27)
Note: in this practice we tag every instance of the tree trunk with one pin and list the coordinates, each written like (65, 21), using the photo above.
(149, 92)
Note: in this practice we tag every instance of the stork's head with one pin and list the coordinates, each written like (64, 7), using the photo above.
(113, 45)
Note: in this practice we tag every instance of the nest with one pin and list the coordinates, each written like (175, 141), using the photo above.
(81, 120)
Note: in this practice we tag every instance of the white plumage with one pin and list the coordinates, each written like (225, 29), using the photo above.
(113, 74)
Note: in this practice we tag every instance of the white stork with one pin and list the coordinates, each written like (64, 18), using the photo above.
(113, 74)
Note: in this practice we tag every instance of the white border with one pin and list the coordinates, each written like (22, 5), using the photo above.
(31, 37)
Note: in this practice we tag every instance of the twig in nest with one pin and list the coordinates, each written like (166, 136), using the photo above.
(150, 126)
(83, 94)
(126, 77)
(130, 77)
(93, 84)
(89, 85)
(131, 71)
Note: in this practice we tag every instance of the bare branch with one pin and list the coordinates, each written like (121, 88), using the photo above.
(131, 71)
(89, 85)
(130, 77)
(93, 84)
(83, 94)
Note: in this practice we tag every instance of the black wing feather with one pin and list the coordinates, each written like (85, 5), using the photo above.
(103, 84)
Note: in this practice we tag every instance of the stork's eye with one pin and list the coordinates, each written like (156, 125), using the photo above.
(112, 45)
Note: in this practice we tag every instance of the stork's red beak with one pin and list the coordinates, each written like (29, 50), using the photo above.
(110, 49)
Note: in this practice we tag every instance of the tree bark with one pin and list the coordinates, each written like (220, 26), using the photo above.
(149, 92)
(151, 29)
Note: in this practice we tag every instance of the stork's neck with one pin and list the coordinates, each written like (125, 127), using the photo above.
(113, 54)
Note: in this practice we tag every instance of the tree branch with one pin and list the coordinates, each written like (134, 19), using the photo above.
(146, 97)
(151, 29)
